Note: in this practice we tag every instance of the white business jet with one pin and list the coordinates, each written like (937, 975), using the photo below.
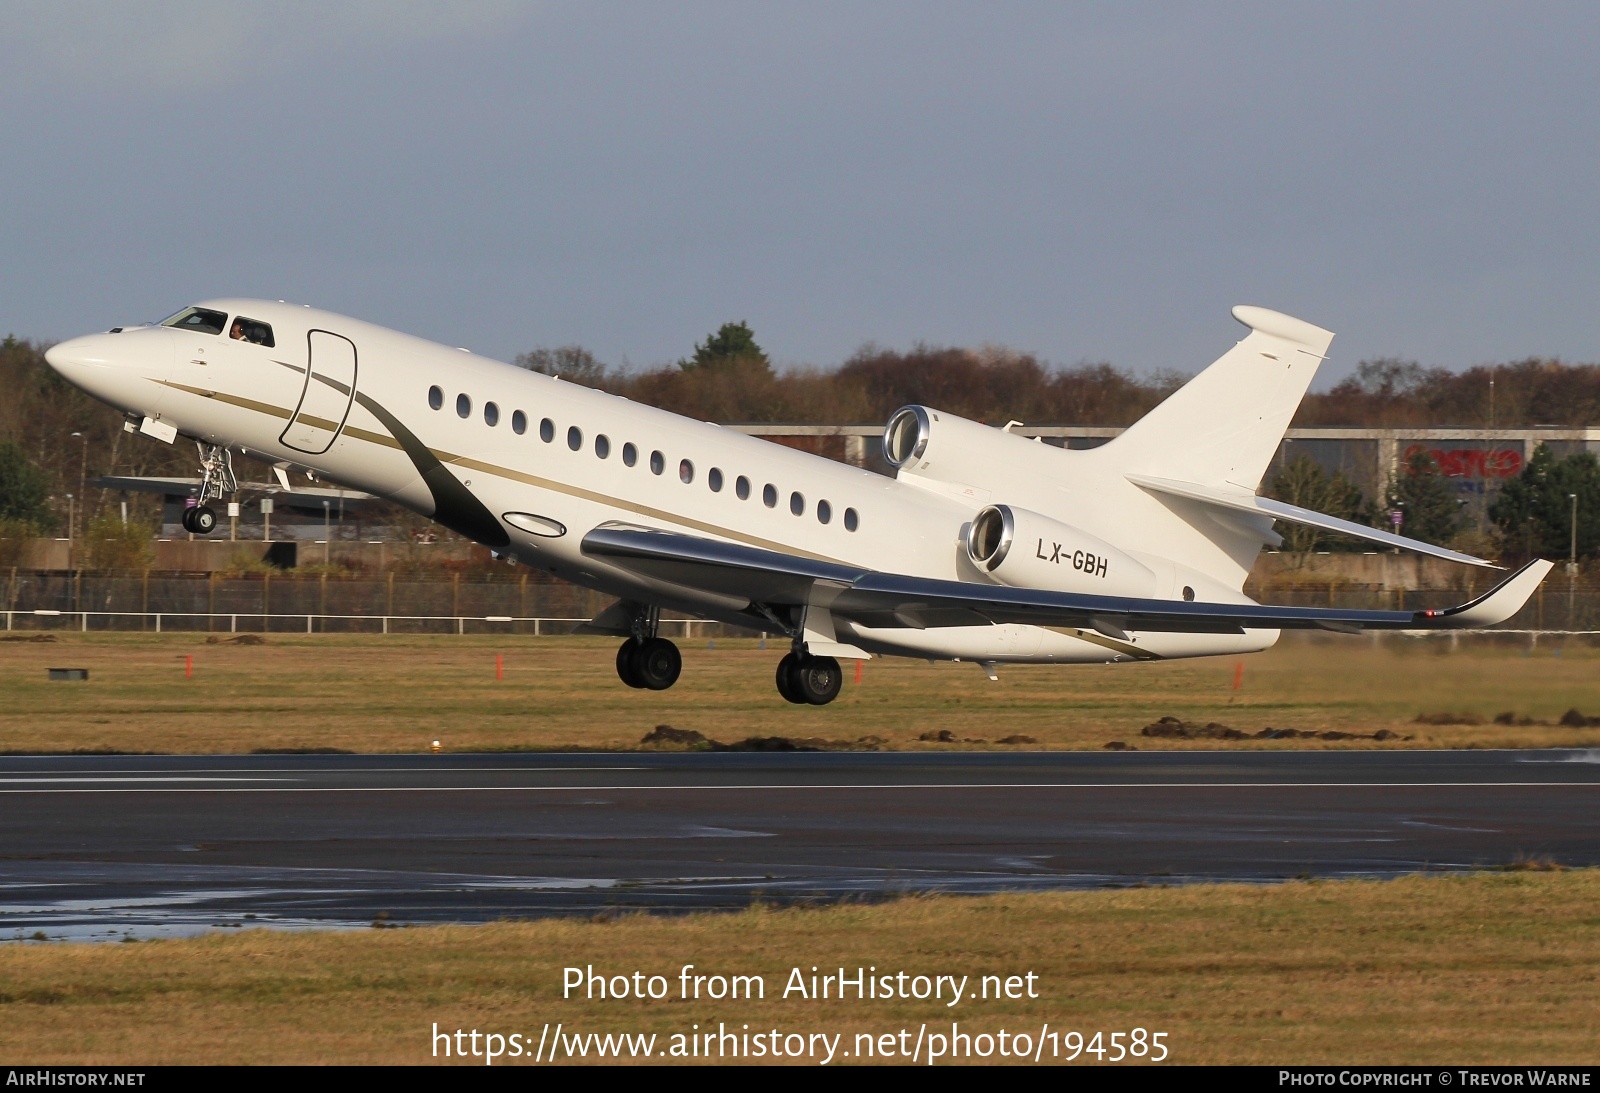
(986, 546)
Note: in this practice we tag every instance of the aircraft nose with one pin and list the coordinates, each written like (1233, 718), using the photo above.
(72, 358)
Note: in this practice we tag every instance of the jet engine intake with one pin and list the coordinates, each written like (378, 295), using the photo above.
(1023, 549)
(921, 442)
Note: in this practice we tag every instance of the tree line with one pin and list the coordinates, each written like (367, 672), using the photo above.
(54, 439)
(1551, 509)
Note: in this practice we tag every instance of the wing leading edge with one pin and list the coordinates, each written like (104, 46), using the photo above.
(874, 598)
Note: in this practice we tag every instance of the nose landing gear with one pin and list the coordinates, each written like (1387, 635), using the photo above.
(216, 480)
(807, 680)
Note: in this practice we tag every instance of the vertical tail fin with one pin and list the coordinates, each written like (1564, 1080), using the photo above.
(1224, 426)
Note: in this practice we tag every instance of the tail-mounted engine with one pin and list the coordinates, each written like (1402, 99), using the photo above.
(924, 443)
(1025, 550)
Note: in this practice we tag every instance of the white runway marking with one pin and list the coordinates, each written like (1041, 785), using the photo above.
(128, 778)
(701, 788)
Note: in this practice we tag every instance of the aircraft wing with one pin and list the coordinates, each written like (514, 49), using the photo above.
(874, 598)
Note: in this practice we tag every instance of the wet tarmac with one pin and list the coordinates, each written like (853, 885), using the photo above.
(113, 846)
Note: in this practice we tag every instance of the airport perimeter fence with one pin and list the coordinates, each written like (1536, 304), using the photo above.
(317, 603)
(535, 604)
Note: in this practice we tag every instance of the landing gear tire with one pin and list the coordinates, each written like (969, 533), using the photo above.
(203, 520)
(653, 664)
(809, 680)
(627, 669)
(788, 668)
(658, 663)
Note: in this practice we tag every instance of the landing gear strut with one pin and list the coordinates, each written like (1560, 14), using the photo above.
(216, 480)
(807, 680)
(646, 661)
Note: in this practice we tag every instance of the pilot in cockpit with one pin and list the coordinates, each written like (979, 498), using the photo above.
(244, 330)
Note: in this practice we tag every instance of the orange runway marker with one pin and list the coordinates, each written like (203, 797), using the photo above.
(858, 671)
(499, 666)
(1238, 674)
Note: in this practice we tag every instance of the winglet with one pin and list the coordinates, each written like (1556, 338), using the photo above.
(1494, 606)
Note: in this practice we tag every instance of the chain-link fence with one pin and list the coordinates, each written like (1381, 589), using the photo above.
(392, 603)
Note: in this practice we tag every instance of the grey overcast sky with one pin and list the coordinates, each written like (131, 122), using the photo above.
(1085, 181)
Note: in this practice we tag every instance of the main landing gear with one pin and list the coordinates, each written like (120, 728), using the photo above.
(647, 661)
(653, 664)
(804, 679)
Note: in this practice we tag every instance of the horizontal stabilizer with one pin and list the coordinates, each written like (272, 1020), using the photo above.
(1240, 501)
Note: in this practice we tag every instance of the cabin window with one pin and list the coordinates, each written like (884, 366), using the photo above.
(658, 463)
(201, 320)
(602, 446)
(547, 430)
(797, 504)
(435, 397)
(850, 520)
(685, 471)
(769, 495)
(742, 488)
(630, 454)
(824, 512)
(519, 422)
(463, 406)
(714, 479)
(491, 414)
(251, 330)
(574, 437)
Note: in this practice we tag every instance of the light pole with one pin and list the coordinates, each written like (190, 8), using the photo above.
(1572, 566)
(1572, 558)
(326, 525)
(83, 471)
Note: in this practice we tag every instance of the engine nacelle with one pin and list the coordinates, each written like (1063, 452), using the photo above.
(932, 444)
(1026, 550)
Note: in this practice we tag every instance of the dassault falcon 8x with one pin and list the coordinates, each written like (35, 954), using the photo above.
(985, 546)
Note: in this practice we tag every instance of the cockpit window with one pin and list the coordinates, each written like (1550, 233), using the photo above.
(248, 330)
(199, 319)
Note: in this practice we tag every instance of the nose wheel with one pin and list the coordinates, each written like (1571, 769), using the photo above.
(653, 664)
(809, 680)
(201, 520)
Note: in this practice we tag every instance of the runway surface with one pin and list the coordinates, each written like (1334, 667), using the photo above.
(108, 846)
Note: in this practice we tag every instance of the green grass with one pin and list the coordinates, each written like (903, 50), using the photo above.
(399, 693)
